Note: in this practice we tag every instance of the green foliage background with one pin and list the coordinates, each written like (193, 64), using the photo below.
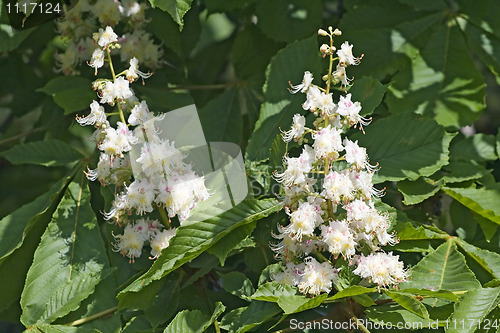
(430, 67)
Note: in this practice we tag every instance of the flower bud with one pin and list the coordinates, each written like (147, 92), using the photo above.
(337, 32)
(324, 49)
(322, 32)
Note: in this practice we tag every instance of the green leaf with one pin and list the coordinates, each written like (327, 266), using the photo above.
(272, 291)
(289, 20)
(483, 201)
(460, 171)
(20, 233)
(192, 239)
(408, 302)
(72, 93)
(230, 242)
(193, 321)
(351, 291)
(14, 227)
(442, 269)
(369, 92)
(416, 239)
(60, 329)
(473, 308)
(11, 39)
(397, 315)
(279, 106)
(221, 117)
(68, 263)
(417, 191)
(411, 147)
(297, 303)
(440, 83)
(176, 8)
(488, 260)
(479, 147)
(252, 51)
(387, 32)
(444, 294)
(161, 100)
(461, 217)
(48, 153)
(237, 284)
(244, 319)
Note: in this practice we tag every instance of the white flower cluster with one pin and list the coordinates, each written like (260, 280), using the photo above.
(150, 170)
(87, 15)
(335, 214)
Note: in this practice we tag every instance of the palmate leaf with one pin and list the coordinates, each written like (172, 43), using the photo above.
(483, 201)
(351, 292)
(409, 302)
(422, 46)
(222, 117)
(68, 262)
(244, 319)
(289, 20)
(193, 321)
(443, 85)
(279, 106)
(473, 308)
(176, 8)
(411, 147)
(192, 239)
(48, 153)
(237, 284)
(72, 93)
(443, 269)
(488, 260)
(417, 191)
(297, 303)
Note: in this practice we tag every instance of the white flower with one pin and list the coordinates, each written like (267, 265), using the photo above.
(350, 111)
(297, 168)
(130, 243)
(339, 75)
(133, 71)
(338, 187)
(304, 86)
(105, 37)
(312, 99)
(345, 55)
(97, 60)
(325, 103)
(316, 277)
(304, 220)
(141, 194)
(292, 275)
(297, 130)
(161, 240)
(339, 238)
(357, 210)
(139, 114)
(103, 169)
(347, 108)
(362, 181)
(108, 93)
(384, 269)
(356, 155)
(121, 89)
(180, 194)
(327, 142)
(96, 117)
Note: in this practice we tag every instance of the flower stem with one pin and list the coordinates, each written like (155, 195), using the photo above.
(164, 217)
(90, 318)
(120, 110)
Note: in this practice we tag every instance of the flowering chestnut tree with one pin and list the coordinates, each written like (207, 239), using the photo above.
(250, 166)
